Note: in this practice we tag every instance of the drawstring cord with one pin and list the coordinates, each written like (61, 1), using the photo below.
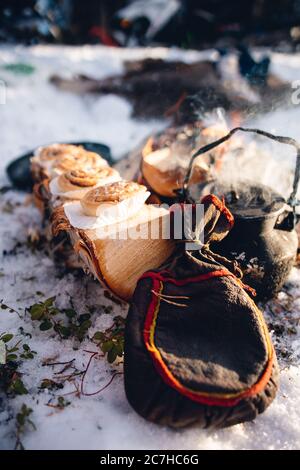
(233, 266)
(166, 298)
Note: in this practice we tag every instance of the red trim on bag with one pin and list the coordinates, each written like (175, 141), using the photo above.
(181, 282)
(220, 205)
(217, 399)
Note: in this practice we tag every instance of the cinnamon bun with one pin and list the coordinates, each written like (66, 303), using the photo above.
(165, 172)
(56, 159)
(114, 202)
(76, 183)
(165, 158)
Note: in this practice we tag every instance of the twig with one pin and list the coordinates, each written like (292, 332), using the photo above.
(58, 363)
(66, 367)
(57, 407)
(103, 388)
(11, 309)
(76, 391)
(68, 377)
(93, 354)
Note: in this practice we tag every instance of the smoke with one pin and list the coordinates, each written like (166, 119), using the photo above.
(261, 163)
(255, 169)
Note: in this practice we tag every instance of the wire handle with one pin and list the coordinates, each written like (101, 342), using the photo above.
(292, 200)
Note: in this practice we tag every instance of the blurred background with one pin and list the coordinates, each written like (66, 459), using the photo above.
(118, 76)
(184, 23)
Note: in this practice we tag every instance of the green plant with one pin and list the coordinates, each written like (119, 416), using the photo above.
(16, 386)
(51, 384)
(111, 341)
(60, 404)
(13, 353)
(4, 306)
(20, 68)
(10, 378)
(7, 353)
(23, 421)
(68, 324)
(27, 353)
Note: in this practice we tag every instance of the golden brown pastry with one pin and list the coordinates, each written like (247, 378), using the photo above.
(55, 159)
(166, 159)
(113, 202)
(75, 184)
(165, 172)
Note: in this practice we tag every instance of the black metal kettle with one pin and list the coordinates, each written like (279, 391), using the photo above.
(263, 239)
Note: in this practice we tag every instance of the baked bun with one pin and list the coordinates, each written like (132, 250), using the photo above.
(165, 171)
(58, 158)
(55, 151)
(114, 202)
(75, 184)
(166, 157)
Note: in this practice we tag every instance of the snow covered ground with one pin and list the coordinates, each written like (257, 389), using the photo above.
(36, 113)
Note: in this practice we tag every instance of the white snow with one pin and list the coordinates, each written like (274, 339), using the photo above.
(35, 114)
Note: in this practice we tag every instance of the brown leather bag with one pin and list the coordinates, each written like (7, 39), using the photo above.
(197, 348)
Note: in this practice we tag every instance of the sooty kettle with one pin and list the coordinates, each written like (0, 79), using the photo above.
(263, 239)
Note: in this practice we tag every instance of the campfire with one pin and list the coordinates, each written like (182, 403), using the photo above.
(245, 247)
(185, 241)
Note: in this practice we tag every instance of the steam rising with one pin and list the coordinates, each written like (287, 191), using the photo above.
(260, 162)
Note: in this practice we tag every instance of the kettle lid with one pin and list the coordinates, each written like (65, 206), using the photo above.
(244, 198)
